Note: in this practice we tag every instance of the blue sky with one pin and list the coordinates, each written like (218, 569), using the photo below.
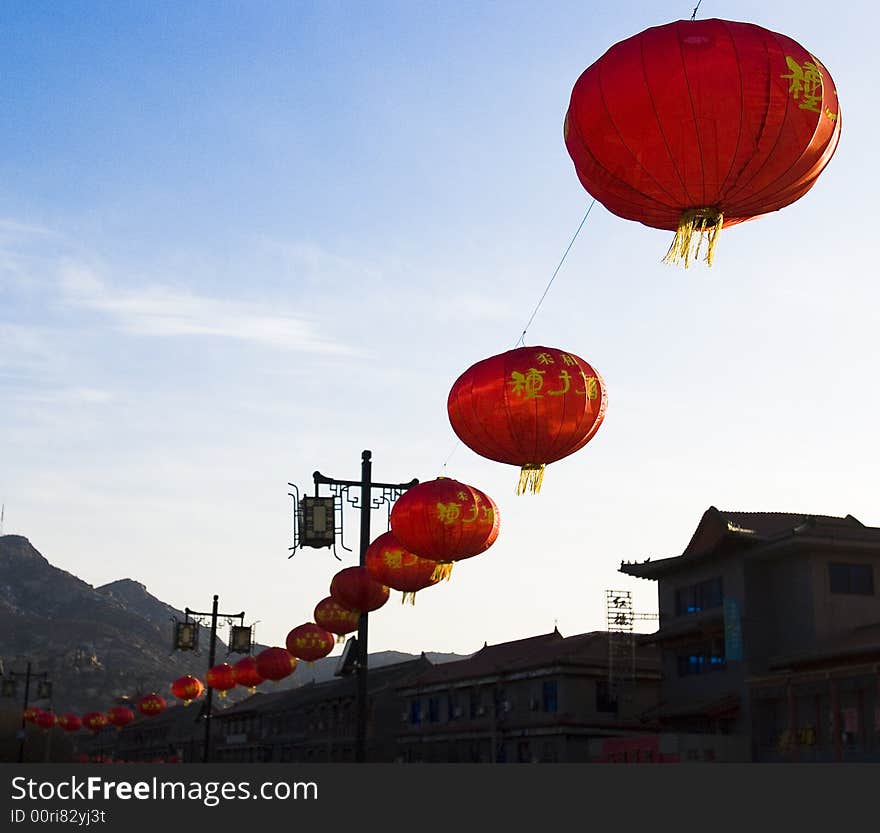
(240, 242)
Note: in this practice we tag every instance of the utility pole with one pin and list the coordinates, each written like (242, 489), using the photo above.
(365, 502)
(212, 655)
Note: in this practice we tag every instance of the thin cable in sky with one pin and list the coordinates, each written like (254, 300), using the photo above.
(538, 305)
(555, 273)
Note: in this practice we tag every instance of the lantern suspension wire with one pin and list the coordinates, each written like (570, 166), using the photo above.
(694, 15)
(537, 307)
(555, 273)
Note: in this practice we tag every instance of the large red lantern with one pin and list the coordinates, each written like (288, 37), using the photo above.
(94, 721)
(356, 589)
(245, 673)
(46, 720)
(335, 618)
(393, 565)
(120, 716)
(151, 704)
(310, 642)
(700, 123)
(275, 663)
(527, 407)
(187, 688)
(446, 521)
(221, 677)
(70, 722)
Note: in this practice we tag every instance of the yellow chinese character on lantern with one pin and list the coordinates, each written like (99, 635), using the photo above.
(569, 360)
(393, 558)
(462, 495)
(591, 386)
(488, 514)
(566, 384)
(448, 513)
(475, 511)
(544, 358)
(527, 384)
(832, 116)
(411, 559)
(805, 82)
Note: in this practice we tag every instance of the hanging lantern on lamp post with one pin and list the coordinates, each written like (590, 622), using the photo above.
(391, 564)
(445, 521)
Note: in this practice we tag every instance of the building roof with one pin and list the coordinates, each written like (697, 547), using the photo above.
(377, 679)
(859, 643)
(587, 649)
(722, 532)
(711, 707)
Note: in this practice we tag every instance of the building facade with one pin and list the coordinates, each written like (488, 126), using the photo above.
(770, 631)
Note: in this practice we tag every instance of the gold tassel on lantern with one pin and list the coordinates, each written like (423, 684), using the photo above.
(695, 224)
(442, 571)
(408, 597)
(530, 478)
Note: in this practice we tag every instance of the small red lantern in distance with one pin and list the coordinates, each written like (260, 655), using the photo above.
(446, 521)
(310, 642)
(335, 618)
(527, 407)
(699, 123)
(94, 721)
(46, 720)
(356, 589)
(31, 714)
(120, 716)
(246, 674)
(221, 677)
(70, 722)
(187, 688)
(151, 704)
(391, 564)
(275, 663)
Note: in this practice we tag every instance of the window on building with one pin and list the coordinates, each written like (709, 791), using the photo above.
(857, 579)
(433, 709)
(523, 752)
(415, 712)
(452, 710)
(550, 695)
(696, 598)
(606, 699)
(701, 659)
(474, 704)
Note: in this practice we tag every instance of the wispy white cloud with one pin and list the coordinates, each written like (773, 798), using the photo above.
(161, 311)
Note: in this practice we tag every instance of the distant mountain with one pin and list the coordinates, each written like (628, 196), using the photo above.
(102, 643)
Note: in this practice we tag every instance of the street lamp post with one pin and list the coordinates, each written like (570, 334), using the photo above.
(44, 691)
(188, 639)
(365, 502)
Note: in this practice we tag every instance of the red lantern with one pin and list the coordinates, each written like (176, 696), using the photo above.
(187, 688)
(445, 521)
(356, 589)
(46, 720)
(32, 713)
(696, 124)
(70, 722)
(151, 704)
(391, 564)
(246, 674)
(94, 721)
(221, 677)
(275, 663)
(120, 716)
(335, 618)
(527, 407)
(310, 642)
